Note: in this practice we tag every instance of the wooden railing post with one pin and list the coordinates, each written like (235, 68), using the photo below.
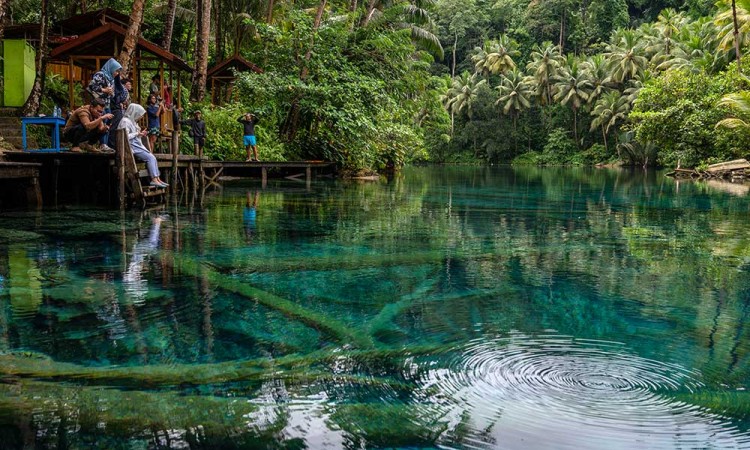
(175, 147)
(122, 140)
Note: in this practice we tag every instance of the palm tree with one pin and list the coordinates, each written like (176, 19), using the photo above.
(573, 87)
(740, 103)
(634, 87)
(515, 96)
(610, 108)
(166, 41)
(406, 14)
(697, 49)
(597, 68)
(31, 106)
(734, 24)
(667, 28)
(544, 67)
(626, 56)
(464, 90)
(131, 36)
(496, 57)
(203, 9)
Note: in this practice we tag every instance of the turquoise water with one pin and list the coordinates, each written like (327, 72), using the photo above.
(449, 308)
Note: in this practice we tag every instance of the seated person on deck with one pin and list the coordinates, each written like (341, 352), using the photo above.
(86, 126)
(129, 123)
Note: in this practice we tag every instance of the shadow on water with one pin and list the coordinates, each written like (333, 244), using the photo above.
(446, 307)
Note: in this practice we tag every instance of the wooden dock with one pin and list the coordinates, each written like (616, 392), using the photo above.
(21, 178)
(66, 177)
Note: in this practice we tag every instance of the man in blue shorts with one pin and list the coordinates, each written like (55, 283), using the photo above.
(248, 120)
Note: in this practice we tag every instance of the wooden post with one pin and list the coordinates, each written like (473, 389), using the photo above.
(34, 192)
(71, 92)
(120, 164)
(308, 177)
(264, 176)
(175, 152)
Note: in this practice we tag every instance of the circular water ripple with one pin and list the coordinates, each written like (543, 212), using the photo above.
(557, 392)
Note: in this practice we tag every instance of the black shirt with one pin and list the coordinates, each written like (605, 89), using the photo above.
(197, 127)
(249, 125)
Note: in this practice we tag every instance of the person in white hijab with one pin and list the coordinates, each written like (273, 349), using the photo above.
(129, 123)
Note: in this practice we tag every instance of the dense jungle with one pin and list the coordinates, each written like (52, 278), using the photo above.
(383, 83)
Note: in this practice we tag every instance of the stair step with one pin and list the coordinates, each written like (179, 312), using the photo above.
(10, 112)
(17, 141)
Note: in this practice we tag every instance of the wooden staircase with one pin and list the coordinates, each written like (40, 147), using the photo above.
(134, 180)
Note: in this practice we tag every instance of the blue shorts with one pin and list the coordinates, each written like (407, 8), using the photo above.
(249, 140)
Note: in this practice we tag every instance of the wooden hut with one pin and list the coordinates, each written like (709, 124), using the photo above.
(222, 77)
(86, 41)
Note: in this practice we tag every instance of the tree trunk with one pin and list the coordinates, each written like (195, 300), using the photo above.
(72, 8)
(31, 107)
(269, 12)
(562, 30)
(131, 37)
(368, 14)
(169, 24)
(515, 132)
(453, 66)
(604, 135)
(292, 120)
(198, 91)
(736, 37)
(218, 32)
(575, 125)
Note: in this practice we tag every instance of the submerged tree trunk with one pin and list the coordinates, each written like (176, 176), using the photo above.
(736, 36)
(198, 91)
(169, 24)
(31, 106)
(131, 37)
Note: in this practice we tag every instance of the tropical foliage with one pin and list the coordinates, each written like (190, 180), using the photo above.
(374, 84)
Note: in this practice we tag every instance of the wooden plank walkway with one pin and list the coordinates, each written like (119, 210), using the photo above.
(61, 171)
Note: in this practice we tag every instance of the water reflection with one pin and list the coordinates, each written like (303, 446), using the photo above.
(136, 286)
(538, 389)
(457, 308)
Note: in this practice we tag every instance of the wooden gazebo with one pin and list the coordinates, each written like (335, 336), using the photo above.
(88, 40)
(222, 77)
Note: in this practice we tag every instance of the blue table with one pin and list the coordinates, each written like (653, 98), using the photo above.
(54, 122)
